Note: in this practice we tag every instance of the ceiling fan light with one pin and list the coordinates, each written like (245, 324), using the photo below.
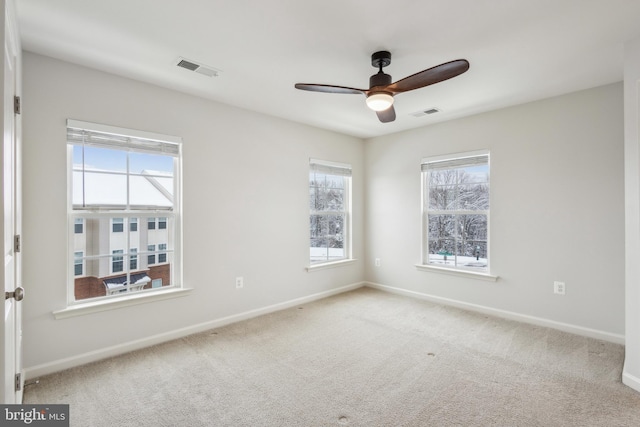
(379, 101)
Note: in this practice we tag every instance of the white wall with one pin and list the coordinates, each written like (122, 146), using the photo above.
(631, 373)
(245, 209)
(557, 210)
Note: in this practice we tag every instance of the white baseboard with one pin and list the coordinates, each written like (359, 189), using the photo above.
(93, 356)
(631, 381)
(538, 321)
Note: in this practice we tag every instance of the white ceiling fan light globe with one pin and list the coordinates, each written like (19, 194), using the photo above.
(379, 101)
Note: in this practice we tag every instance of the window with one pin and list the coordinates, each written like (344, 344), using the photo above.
(330, 216)
(77, 263)
(117, 261)
(118, 225)
(151, 224)
(456, 211)
(162, 223)
(162, 256)
(151, 259)
(119, 179)
(133, 259)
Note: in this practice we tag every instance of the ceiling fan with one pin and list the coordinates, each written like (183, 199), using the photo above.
(381, 91)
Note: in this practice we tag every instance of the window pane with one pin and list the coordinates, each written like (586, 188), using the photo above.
(473, 197)
(151, 223)
(162, 223)
(441, 227)
(442, 197)
(335, 229)
(144, 191)
(78, 227)
(475, 174)
(133, 224)
(102, 159)
(155, 164)
(318, 226)
(99, 189)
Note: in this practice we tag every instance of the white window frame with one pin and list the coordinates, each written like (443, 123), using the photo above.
(345, 170)
(461, 159)
(174, 214)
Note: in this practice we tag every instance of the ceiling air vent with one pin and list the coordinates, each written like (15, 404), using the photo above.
(198, 68)
(425, 112)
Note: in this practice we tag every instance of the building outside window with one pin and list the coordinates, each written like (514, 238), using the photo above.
(120, 180)
(118, 225)
(133, 259)
(77, 263)
(117, 261)
(330, 212)
(456, 211)
(162, 256)
(151, 258)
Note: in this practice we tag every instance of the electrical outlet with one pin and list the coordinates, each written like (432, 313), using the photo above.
(239, 282)
(559, 288)
(377, 262)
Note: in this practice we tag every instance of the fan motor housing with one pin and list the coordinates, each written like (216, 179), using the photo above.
(381, 59)
(379, 79)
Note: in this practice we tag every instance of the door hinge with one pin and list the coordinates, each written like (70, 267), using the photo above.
(16, 104)
(17, 244)
(18, 382)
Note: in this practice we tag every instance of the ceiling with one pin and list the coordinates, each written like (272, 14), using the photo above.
(519, 50)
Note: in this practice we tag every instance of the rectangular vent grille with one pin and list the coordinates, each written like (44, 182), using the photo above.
(425, 112)
(188, 65)
(198, 68)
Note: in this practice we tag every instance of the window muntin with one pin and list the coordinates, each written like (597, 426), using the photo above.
(456, 212)
(330, 215)
(114, 216)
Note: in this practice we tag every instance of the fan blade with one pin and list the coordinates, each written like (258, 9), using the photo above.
(387, 115)
(328, 88)
(428, 77)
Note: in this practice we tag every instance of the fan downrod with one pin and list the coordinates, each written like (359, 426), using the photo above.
(381, 59)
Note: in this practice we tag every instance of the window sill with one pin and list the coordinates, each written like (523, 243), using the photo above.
(112, 304)
(330, 265)
(460, 273)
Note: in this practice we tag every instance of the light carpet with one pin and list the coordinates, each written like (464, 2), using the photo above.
(362, 358)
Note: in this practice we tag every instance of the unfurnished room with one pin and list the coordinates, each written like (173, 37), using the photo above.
(321, 213)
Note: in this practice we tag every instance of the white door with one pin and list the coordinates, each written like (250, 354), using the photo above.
(11, 353)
